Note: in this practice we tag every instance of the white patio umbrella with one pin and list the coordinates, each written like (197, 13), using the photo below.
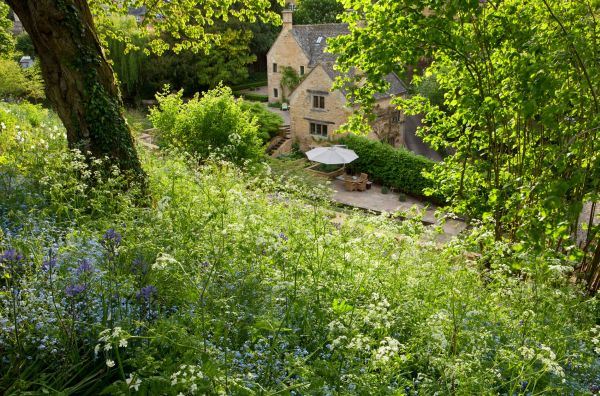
(332, 155)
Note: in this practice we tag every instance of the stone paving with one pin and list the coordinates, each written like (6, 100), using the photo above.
(374, 200)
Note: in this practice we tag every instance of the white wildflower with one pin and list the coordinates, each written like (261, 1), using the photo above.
(133, 382)
(110, 363)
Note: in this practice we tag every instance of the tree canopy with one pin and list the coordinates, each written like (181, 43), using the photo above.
(521, 81)
(317, 11)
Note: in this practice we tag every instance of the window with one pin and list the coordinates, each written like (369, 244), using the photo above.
(274, 67)
(318, 102)
(318, 129)
(397, 117)
(301, 70)
(275, 92)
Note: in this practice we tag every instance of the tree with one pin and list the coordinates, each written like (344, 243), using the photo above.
(125, 42)
(79, 80)
(317, 11)
(226, 62)
(521, 81)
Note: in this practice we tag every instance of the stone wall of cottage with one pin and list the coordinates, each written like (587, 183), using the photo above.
(302, 112)
(284, 52)
(388, 126)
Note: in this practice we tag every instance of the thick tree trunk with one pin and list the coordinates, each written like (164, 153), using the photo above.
(79, 81)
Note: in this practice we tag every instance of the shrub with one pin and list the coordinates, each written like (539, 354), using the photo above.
(268, 122)
(18, 83)
(385, 190)
(396, 168)
(214, 124)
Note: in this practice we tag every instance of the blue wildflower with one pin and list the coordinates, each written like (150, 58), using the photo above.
(11, 256)
(49, 264)
(74, 290)
(283, 236)
(112, 237)
(524, 385)
(146, 292)
(84, 267)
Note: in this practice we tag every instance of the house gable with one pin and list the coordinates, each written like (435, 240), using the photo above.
(314, 102)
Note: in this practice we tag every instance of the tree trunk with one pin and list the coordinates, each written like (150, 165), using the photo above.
(79, 81)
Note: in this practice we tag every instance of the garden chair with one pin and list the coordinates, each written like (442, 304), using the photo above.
(362, 182)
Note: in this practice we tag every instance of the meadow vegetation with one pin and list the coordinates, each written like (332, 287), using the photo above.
(238, 281)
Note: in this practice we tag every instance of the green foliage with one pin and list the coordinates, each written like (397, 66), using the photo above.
(227, 62)
(386, 165)
(124, 40)
(234, 283)
(290, 79)
(24, 45)
(18, 83)
(7, 41)
(310, 12)
(520, 109)
(183, 25)
(214, 124)
(268, 122)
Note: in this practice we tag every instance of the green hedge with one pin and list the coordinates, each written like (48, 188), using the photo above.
(250, 85)
(252, 97)
(386, 165)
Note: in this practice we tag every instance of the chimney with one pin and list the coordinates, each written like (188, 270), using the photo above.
(286, 16)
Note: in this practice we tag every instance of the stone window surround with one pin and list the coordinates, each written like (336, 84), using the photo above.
(318, 102)
(319, 129)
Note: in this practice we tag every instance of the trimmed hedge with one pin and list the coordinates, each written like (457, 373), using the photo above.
(252, 97)
(388, 166)
(250, 85)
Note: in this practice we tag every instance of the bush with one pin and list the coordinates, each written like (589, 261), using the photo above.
(214, 124)
(396, 168)
(268, 122)
(18, 83)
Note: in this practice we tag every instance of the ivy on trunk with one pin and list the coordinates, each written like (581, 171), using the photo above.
(80, 83)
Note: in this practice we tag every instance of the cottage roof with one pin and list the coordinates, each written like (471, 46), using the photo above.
(396, 85)
(313, 40)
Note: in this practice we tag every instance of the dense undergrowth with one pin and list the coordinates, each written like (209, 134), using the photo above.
(242, 283)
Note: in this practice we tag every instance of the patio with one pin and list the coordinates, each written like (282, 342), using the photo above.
(374, 200)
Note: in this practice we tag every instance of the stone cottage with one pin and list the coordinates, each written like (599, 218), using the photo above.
(316, 111)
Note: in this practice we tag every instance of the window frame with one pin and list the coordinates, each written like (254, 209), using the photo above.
(275, 93)
(318, 102)
(319, 129)
(275, 67)
(301, 70)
